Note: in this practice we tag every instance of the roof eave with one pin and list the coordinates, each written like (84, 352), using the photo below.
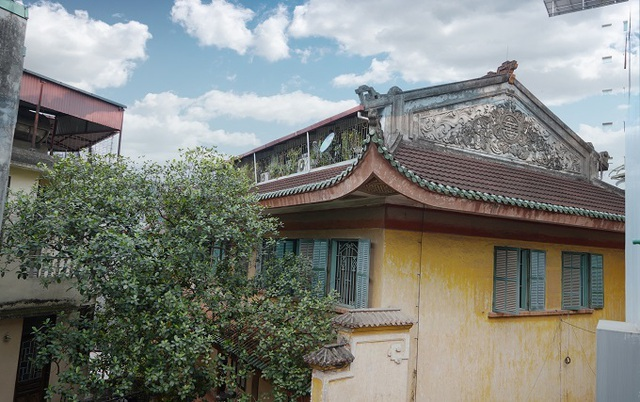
(378, 162)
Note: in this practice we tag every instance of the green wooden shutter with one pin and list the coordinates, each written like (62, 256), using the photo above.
(280, 247)
(506, 280)
(597, 281)
(537, 273)
(362, 274)
(571, 281)
(316, 252)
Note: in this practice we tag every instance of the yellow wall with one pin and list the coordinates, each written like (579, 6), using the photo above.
(462, 354)
(9, 353)
(22, 179)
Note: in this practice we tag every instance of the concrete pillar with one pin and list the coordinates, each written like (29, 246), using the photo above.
(13, 26)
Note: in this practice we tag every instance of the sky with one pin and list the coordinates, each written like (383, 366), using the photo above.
(238, 74)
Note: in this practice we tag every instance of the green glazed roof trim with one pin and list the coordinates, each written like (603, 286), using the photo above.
(442, 189)
(15, 8)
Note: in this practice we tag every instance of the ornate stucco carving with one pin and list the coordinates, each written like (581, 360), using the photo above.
(500, 130)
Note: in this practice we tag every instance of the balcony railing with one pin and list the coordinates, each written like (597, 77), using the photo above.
(336, 142)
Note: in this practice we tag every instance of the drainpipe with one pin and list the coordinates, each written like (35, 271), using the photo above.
(255, 169)
(13, 20)
(120, 136)
(36, 119)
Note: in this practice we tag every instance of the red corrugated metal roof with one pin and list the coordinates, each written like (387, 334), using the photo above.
(62, 98)
(312, 127)
(82, 119)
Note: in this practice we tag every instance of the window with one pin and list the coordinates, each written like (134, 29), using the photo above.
(518, 280)
(350, 271)
(582, 281)
(347, 269)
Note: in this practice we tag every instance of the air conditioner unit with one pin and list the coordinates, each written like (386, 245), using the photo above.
(303, 164)
(264, 176)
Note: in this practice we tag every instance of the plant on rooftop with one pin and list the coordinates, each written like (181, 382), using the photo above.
(138, 245)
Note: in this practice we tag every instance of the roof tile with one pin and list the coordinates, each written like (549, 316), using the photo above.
(372, 318)
(509, 180)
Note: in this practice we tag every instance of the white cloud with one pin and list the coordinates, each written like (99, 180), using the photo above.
(304, 55)
(81, 51)
(270, 39)
(157, 126)
(224, 25)
(560, 58)
(218, 23)
(379, 72)
(160, 124)
(292, 108)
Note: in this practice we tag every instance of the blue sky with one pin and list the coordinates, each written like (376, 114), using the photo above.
(237, 74)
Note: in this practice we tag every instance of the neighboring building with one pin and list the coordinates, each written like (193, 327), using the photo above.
(473, 229)
(68, 120)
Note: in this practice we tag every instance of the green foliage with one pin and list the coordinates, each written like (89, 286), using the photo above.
(135, 242)
(293, 322)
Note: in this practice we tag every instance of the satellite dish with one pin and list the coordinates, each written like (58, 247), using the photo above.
(327, 141)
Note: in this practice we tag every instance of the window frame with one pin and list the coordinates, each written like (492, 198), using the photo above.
(590, 279)
(322, 254)
(519, 280)
(361, 286)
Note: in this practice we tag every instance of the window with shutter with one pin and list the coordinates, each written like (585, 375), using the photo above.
(506, 280)
(597, 281)
(362, 276)
(537, 279)
(519, 280)
(582, 281)
(350, 261)
(348, 272)
(316, 251)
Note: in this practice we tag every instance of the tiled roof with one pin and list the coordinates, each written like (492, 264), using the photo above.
(330, 357)
(473, 179)
(508, 179)
(297, 180)
(372, 318)
(237, 340)
(314, 180)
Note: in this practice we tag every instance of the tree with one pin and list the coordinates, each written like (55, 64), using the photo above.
(159, 255)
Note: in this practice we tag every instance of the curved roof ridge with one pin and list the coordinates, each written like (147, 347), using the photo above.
(433, 186)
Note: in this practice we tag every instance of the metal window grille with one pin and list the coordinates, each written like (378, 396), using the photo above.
(346, 270)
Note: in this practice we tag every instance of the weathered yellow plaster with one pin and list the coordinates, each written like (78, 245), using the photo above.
(463, 354)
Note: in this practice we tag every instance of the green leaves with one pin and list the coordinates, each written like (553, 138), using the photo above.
(136, 242)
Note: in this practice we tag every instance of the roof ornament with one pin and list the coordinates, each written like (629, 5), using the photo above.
(367, 93)
(506, 68)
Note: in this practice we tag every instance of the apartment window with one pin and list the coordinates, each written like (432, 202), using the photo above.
(344, 262)
(582, 281)
(518, 280)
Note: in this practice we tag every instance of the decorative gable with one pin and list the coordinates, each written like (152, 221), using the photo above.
(500, 130)
(492, 116)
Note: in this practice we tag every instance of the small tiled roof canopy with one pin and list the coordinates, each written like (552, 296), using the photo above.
(330, 357)
(372, 318)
